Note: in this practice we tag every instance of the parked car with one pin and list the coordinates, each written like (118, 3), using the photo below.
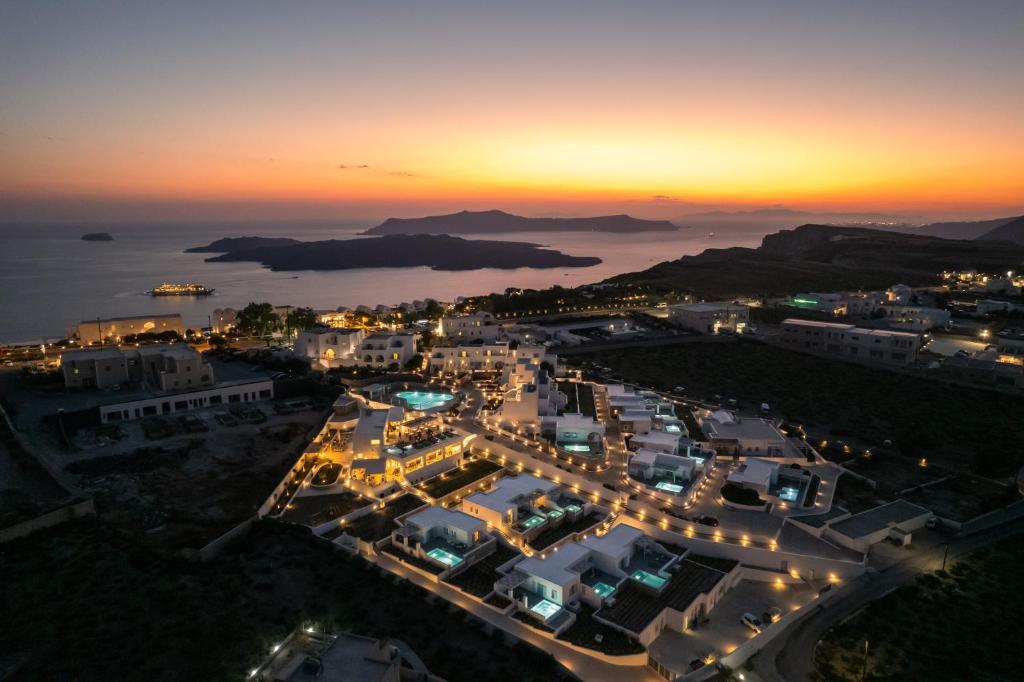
(765, 407)
(773, 615)
(706, 521)
(752, 622)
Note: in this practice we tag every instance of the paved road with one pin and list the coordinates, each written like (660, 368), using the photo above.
(789, 658)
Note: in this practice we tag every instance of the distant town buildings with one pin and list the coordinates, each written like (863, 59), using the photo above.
(710, 318)
(854, 343)
(89, 332)
(161, 367)
(155, 379)
(915, 318)
(839, 304)
(323, 346)
(480, 326)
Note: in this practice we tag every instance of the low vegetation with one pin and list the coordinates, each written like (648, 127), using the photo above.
(737, 494)
(473, 471)
(958, 428)
(83, 601)
(947, 626)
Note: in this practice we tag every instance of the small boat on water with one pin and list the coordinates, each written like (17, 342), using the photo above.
(187, 289)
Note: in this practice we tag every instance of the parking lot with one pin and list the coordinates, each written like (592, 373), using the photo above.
(723, 631)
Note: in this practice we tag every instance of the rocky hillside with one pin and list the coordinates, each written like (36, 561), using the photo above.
(824, 258)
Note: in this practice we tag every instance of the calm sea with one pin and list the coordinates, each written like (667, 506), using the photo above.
(50, 278)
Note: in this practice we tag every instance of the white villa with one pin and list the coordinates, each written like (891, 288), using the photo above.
(591, 571)
(383, 349)
(642, 411)
(451, 540)
(479, 326)
(329, 346)
(772, 481)
(682, 475)
(524, 506)
(710, 318)
(730, 434)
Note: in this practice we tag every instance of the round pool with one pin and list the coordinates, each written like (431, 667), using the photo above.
(424, 401)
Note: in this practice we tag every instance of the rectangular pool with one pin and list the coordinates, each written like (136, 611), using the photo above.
(556, 514)
(446, 558)
(576, 447)
(545, 608)
(603, 589)
(789, 494)
(424, 400)
(674, 488)
(574, 508)
(533, 521)
(672, 428)
(649, 579)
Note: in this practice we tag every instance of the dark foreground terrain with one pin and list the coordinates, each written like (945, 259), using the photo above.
(83, 602)
(948, 625)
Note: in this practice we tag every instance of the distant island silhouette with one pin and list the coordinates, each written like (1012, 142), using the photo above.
(439, 252)
(484, 222)
(97, 237)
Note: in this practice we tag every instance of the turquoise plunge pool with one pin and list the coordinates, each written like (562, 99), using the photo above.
(603, 589)
(533, 521)
(576, 447)
(674, 488)
(573, 508)
(446, 558)
(649, 579)
(424, 400)
(545, 608)
(789, 494)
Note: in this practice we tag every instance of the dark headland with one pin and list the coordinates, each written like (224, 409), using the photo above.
(97, 237)
(826, 258)
(485, 222)
(439, 252)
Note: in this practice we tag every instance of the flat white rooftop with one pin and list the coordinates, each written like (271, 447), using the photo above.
(754, 472)
(749, 428)
(507, 492)
(615, 542)
(656, 438)
(437, 516)
(557, 567)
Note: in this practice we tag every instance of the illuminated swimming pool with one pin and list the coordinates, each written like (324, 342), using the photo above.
(545, 608)
(674, 488)
(424, 400)
(789, 494)
(576, 447)
(574, 508)
(649, 579)
(672, 428)
(446, 558)
(603, 589)
(532, 522)
(556, 514)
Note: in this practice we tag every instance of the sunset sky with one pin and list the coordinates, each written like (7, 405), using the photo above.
(318, 110)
